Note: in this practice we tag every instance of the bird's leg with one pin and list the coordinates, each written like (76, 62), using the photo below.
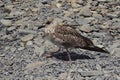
(70, 60)
(68, 53)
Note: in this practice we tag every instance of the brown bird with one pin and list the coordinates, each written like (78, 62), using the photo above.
(67, 37)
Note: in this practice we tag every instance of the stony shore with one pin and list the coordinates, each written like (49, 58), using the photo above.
(22, 44)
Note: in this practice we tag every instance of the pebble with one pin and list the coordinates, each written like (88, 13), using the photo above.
(115, 25)
(85, 11)
(58, 5)
(39, 40)
(21, 48)
(102, 0)
(29, 43)
(33, 65)
(39, 50)
(116, 52)
(9, 7)
(100, 46)
(11, 28)
(16, 13)
(99, 78)
(90, 73)
(50, 47)
(85, 28)
(6, 22)
(27, 37)
(97, 16)
(13, 49)
(63, 76)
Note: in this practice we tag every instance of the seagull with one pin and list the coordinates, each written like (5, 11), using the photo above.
(68, 38)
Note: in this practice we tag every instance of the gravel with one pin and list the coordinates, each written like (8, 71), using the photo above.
(22, 41)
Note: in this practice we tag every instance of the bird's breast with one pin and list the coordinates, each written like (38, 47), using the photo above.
(49, 30)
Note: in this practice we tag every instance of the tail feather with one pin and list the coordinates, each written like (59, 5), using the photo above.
(95, 48)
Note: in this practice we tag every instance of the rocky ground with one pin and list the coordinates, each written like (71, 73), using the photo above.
(22, 44)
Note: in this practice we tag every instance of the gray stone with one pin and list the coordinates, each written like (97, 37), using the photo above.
(27, 31)
(85, 11)
(27, 37)
(39, 50)
(85, 28)
(11, 28)
(9, 7)
(82, 21)
(116, 52)
(102, 0)
(13, 49)
(6, 22)
(50, 47)
(29, 43)
(16, 13)
(21, 48)
(97, 16)
(99, 78)
(39, 40)
(90, 73)
(115, 25)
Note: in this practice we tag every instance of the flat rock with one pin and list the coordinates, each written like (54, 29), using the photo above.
(85, 28)
(21, 48)
(50, 47)
(27, 37)
(6, 22)
(29, 43)
(85, 11)
(91, 73)
(39, 50)
(116, 52)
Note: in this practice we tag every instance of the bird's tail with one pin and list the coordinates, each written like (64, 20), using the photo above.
(95, 48)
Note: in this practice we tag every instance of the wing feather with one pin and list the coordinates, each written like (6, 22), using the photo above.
(67, 30)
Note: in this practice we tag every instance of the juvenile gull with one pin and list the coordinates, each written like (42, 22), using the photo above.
(67, 37)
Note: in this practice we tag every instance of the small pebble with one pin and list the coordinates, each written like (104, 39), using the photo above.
(85, 11)
(27, 37)
(29, 43)
(6, 22)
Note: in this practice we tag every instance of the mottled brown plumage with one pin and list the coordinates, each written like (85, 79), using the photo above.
(68, 37)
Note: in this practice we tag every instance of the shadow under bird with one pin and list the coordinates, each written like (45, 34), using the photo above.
(68, 38)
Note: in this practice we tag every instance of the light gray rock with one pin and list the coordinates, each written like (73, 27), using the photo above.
(6, 22)
(27, 37)
(16, 13)
(97, 16)
(13, 49)
(21, 48)
(29, 43)
(50, 47)
(85, 28)
(27, 31)
(91, 73)
(116, 52)
(99, 78)
(85, 11)
(115, 25)
(11, 28)
(102, 0)
(82, 21)
(39, 50)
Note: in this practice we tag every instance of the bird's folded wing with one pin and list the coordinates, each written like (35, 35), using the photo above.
(67, 31)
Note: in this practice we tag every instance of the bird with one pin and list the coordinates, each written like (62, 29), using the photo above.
(68, 38)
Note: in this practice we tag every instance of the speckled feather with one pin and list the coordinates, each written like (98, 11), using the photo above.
(69, 38)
